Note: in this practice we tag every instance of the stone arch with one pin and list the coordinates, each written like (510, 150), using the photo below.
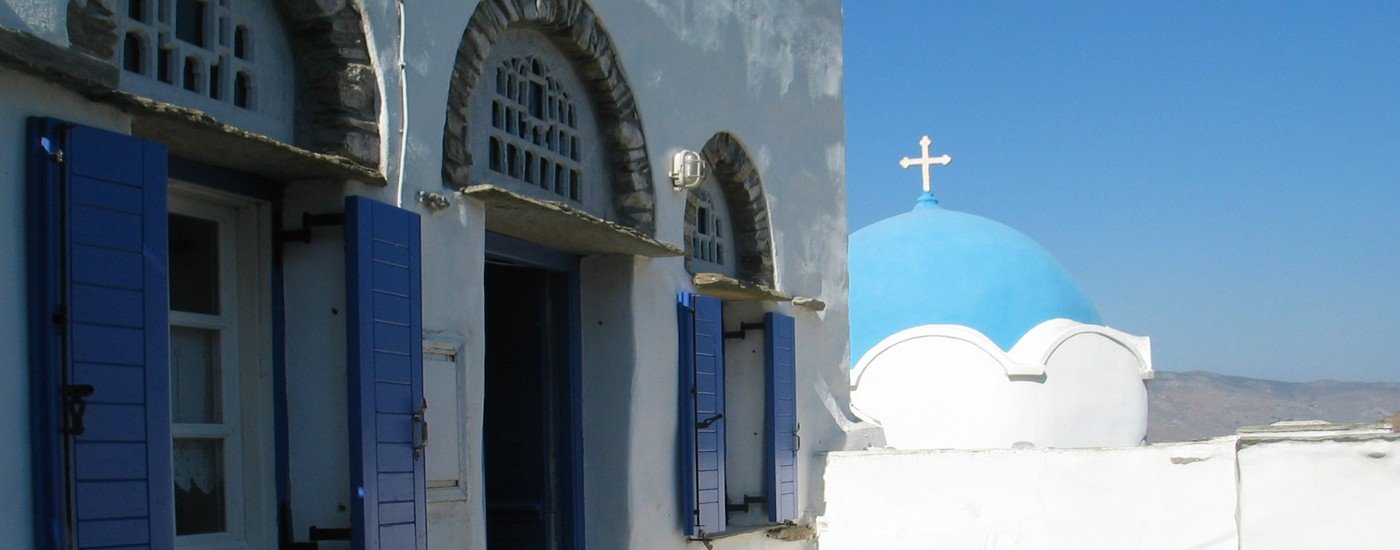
(337, 90)
(574, 28)
(738, 178)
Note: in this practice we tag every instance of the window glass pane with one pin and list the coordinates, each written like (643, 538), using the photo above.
(194, 369)
(199, 486)
(194, 265)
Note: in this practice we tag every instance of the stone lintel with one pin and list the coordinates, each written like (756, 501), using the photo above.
(562, 227)
(809, 303)
(30, 54)
(730, 289)
(194, 135)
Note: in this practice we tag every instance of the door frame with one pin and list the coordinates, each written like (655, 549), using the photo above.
(501, 248)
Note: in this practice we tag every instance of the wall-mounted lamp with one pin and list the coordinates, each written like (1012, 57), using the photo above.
(687, 170)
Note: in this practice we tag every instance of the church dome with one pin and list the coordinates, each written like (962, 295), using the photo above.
(937, 266)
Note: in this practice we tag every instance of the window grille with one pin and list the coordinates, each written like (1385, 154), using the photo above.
(200, 46)
(708, 230)
(535, 133)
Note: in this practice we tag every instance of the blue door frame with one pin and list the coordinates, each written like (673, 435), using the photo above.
(500, 248)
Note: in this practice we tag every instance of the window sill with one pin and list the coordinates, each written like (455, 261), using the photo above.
(730, 289)
(562, 227)
(188, 133)
(786, 531)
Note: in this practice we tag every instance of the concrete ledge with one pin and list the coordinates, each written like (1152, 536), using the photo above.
(812, 304)
(30, 54)
(563, 227)
(730, 289)
(189, 133)
(197, 136)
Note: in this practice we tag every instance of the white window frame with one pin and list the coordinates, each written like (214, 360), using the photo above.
(245, 354)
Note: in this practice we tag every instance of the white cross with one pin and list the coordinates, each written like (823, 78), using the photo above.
(925, 161)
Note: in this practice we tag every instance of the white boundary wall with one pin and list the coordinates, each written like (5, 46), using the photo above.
(1246, 493)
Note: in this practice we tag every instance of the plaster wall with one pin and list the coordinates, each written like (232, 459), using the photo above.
(1329, 493)
(24, 97)
(43, 18)
(1163, 496)
(949, 387)
(769, 73)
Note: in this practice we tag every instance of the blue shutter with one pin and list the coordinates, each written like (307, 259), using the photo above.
(99, 259)
(780, 360)
(385, 337)
(702, 410)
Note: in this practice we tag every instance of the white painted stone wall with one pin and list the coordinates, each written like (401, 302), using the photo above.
(1328, 493)
(1064, 384)
(1276, 493)
(769, 72)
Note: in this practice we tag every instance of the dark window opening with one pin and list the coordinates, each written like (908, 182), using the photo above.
(241, 47)
(243, 90)
(133, 54)
(189, 21)
(191, 80)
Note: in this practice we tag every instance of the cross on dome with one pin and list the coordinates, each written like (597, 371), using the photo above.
(925, 161)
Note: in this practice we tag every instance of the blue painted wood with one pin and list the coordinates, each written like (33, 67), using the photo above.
(780, 411)
(99, 259)
(44, 201)
(702, 421)
(385, 336)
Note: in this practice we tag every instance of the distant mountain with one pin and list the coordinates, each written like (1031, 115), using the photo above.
(1194, 405)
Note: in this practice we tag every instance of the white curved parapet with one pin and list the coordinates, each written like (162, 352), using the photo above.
(1064, 384)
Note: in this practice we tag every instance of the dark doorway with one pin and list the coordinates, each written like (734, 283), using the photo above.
(529, 422)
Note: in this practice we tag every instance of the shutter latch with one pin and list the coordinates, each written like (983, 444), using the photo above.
(708, 421)
(420, 431)
(74, 407)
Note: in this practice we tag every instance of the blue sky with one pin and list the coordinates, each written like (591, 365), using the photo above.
(1222, 177)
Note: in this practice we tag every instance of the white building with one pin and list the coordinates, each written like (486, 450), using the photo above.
(410, 274)
(378, 273)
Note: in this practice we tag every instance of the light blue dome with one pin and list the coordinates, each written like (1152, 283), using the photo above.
(937, 266)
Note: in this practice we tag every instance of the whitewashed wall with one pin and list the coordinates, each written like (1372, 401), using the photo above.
(1282, 493)
(1330, 493)
(1064, 384)
(768, 72)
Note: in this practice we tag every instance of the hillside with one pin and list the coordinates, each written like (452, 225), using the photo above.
(1194, 405)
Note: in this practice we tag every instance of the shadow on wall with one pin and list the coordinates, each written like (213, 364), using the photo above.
(609, 363)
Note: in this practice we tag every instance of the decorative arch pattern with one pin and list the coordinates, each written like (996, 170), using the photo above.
(738, 178)
(337, 92)
(574, 28)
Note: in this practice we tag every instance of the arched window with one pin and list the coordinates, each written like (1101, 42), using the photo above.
(541, 139)
(709, 231)
(228, 58)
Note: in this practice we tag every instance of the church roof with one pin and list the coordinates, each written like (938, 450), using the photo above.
(938, 266)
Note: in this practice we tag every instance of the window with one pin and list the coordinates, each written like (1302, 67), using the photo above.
(709, 245)
(532, 128)
(218, 393)
(535, 129)
(211, 55)
(740, 438)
